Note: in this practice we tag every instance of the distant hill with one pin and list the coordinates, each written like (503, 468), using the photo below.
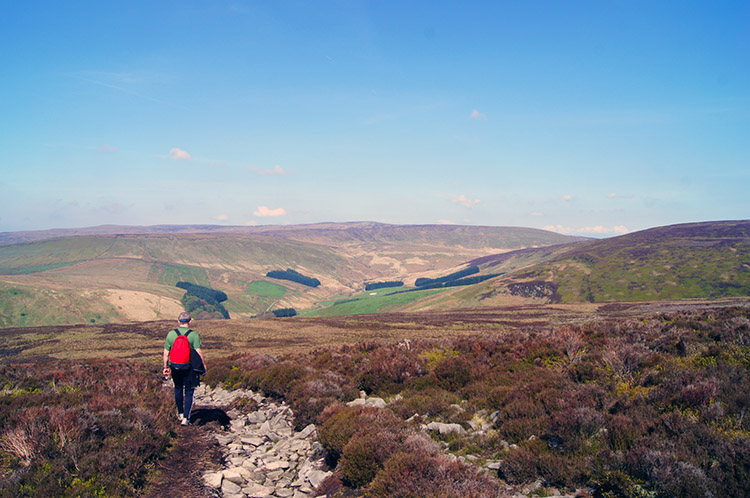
(694, 260)
(329, 233)
(116, 277)
(114, 273)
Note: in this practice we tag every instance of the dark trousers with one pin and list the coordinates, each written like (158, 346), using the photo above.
(183, 390)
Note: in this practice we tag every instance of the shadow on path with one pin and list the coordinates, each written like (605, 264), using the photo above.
(202, 415)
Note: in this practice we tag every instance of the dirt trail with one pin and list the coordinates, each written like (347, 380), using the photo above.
(195, 451)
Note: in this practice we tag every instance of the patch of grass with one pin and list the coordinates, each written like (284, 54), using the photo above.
(50, 253)
(171, 274)
(268, 289)
(22, 306)
(366, 303)
(35, 269)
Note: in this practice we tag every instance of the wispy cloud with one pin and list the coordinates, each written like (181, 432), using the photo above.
(277, 170)
(264, 211)
(221, 217)
(479, 116)
(618, 196)
(465, 201)
(121, 82)
(179, 155)
(567, 198)
(537, 213)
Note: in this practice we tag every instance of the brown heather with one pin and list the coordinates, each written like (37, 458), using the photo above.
(80, 429)
(620, 407)
(654, 405)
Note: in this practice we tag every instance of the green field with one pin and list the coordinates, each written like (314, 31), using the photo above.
(171, 274)
(371, 302)
(22, 306)
(268, 289)
(35, 269)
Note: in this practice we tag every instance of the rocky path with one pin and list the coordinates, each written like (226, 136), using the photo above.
(264, 456)
(256, 453)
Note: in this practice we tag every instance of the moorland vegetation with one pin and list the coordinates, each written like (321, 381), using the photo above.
(648, 406)
(72, 429)
(632, 408)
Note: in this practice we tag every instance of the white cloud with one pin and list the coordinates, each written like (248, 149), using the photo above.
(277, 170)
(221, 217)
(537, 213)
(559, 229)
(465, 201)
(567, 198)
(618, 196)
(264, 211)
(478, 115)
(593, 230)
(179, 155)
(445, 222)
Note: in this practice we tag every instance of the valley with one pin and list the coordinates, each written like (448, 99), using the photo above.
(123, 274)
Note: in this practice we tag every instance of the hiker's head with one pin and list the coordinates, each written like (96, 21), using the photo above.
(184, 318)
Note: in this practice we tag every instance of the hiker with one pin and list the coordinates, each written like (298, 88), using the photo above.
(184, 360)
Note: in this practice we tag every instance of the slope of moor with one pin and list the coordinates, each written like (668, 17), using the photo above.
(121, 277)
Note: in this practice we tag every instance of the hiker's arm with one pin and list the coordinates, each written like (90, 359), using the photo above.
(203, 358)
(165, 370)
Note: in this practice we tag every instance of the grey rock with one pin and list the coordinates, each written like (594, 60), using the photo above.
(213, 479)
(228, 487)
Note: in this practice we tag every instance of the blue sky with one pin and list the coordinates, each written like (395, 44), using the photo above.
(583, 117)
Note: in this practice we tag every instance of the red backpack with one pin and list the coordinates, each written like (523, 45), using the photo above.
(179, 355)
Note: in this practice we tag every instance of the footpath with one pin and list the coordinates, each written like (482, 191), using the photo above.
(256, 453)
(263, 455)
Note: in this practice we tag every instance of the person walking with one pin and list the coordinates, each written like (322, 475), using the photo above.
(185, 379)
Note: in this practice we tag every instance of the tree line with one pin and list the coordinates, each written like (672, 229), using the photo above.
(294, 276)
(383, 285)
(422, 282)
(203, 302)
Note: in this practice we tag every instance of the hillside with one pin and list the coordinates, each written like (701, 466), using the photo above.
(696, 260)
(125, 277)
(99, 277)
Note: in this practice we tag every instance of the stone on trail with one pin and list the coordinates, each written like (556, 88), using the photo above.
(213, 479)
(228, 487)
(265, 456)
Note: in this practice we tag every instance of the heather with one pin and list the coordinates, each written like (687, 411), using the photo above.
(80, 428)
(653, 406)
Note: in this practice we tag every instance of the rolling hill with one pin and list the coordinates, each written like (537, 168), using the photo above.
(695, 260)
(115, 277)
(110, 274)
